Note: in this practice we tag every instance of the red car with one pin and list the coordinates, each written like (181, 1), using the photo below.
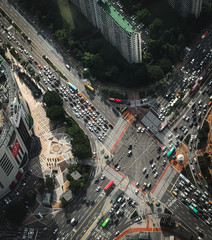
(35, 62)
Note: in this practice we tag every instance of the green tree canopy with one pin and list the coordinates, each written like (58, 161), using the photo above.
(94, 61)
(155, 72)
(16, 213)
(155, 28)
(165, 64)
(143, 16)
(51, 98)
(55, 112)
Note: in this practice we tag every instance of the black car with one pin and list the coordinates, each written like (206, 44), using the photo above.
(96, 180)
(159, 149)
(130, 147)
(151, 161)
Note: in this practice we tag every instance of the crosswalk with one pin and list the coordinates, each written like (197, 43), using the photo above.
(128, 116)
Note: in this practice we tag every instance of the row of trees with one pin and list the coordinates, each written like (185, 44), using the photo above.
(80, 142)
(76, 186)
(203, 135)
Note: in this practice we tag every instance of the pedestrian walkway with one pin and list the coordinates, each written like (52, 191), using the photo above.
(116, 134)
(56, 149)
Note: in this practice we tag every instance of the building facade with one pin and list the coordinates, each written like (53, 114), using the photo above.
(15, 131)
(114, 27)
(187, 7)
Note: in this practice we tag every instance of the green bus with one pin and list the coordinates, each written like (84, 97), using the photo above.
(104, 224)
(171, 151)
(193, 209)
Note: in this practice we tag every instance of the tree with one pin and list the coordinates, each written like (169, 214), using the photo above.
(155, 72)
(154, 47)
(55, 112)
(51, 98)
(94, 61)
(155, 28)
(144, 16)
(165, 65)
(16, 213)
(49, 183)
(86, 74)
(111, 72)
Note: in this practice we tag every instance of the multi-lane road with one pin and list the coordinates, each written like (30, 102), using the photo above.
(144, 146)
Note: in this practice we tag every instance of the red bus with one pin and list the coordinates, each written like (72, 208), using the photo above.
(194, 88)
(109, 185)
(204, 35)
(115, 100)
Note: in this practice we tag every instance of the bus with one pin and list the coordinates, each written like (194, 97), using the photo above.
(109, 186)
(115, 100)
(104, 224)
(171, 151)
(89, 87)
(73, 87)
(193, 209)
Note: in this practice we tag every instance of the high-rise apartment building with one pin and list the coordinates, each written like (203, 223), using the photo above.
(114, 26)
(15, 131)
(187, 7)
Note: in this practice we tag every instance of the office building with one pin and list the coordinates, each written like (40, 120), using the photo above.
(114, 26)
(187, 7)
(15, 130)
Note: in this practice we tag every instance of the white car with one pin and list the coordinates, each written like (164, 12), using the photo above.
(137, 184)
(155, 175)
(144, 170)
(136, 191)
(103, 177)
(164, 148)
(139, 130)
(98, 188)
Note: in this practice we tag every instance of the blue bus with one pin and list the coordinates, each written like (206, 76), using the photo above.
(73, 87)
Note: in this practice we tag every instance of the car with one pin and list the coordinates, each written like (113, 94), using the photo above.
(139, 130)
(151, 161)
(136, 191)
(55, 231)
(35, 62)
(149, 185)
(102, 177)
(146, 175)
(117, 233)
(153, 165)
(96, 180)
(129, 153)
(138, 219)
(164, 163)
(137, 184)
(40, 67)
(164, 148)
(98, 188)
(155, 175)
(118, 168)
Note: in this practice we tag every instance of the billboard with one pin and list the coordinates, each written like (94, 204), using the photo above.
(15, 148)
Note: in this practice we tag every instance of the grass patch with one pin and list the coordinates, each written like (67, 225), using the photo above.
(65, 12)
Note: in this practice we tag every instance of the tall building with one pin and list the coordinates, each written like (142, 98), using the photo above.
(114, 26)
(15, 131)
(187, 7)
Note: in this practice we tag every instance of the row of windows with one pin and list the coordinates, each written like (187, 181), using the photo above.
(6, 165)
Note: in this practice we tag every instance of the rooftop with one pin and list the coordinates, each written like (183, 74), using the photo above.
(117, 16)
